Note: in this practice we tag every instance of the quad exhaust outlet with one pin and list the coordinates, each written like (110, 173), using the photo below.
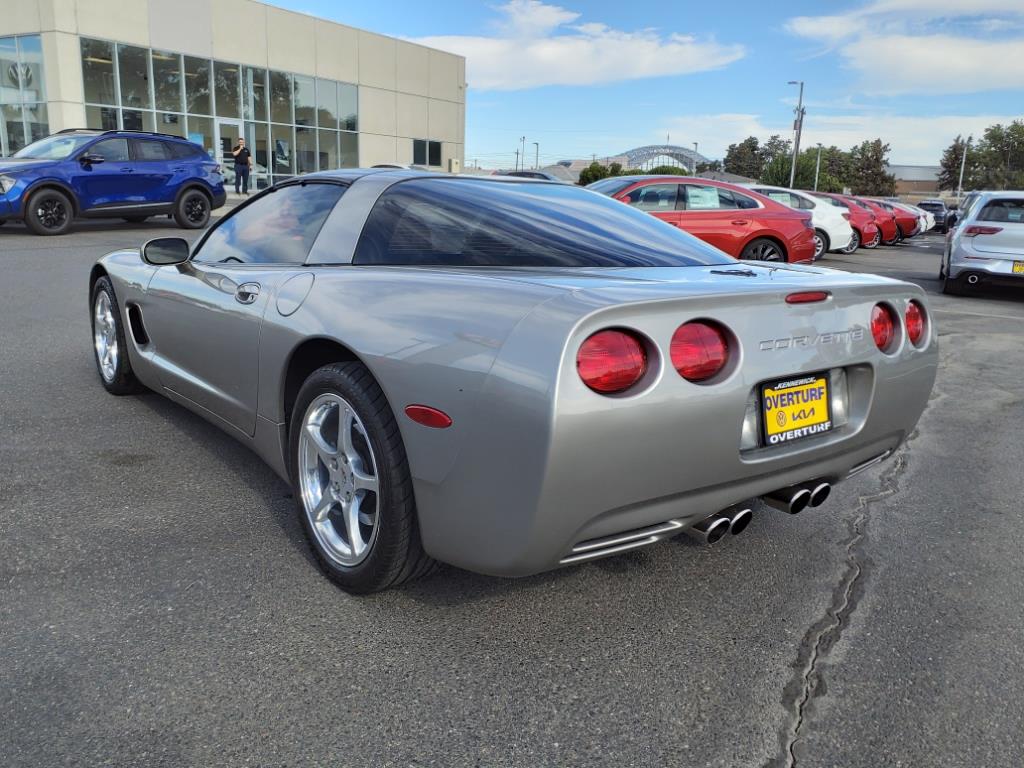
(796, 498)
(714, 528)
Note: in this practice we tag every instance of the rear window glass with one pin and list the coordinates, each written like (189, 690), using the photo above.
(610, 187)
(1008, 210)
(463, 222)
(181, 150)
(933, 207)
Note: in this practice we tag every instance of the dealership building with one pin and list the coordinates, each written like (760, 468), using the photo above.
(307, 94)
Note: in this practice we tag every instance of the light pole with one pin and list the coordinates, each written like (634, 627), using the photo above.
(536, 155)
(798, 126)
(817, 167)
(695, 159)
(522, 155)
(517, 160)
(963, 163)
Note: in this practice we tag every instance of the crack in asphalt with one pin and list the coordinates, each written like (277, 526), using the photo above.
(807, 682)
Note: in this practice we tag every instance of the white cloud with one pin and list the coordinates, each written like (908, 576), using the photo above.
(536, 46)
(902, 46)
(913, 140)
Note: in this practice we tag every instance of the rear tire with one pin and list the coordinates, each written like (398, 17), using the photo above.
(192, 210)
(821, 244)
(109, 344)
(874, 241)
(49, 212)
(763, 249)
(363, 529)
(953, 286)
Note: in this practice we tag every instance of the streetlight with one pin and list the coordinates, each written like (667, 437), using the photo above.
(536, 156)
(695, 159)
(798, 125)
(522, 155)
(817, 167)
(963, 163)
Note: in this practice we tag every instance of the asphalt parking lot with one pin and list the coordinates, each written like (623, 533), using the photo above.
(159, 607)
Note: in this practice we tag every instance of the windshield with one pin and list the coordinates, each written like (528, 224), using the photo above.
(54, 147)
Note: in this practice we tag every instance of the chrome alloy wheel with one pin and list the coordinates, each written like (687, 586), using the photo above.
(338, 480)
(104, 336)
(819, 245)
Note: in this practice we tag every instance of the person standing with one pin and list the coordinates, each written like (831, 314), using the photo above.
(243, 165)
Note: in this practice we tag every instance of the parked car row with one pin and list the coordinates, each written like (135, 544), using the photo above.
(130, 175)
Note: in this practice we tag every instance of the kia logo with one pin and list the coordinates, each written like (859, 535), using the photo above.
(25, 70)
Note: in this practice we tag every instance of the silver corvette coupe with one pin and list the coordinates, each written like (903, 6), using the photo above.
(510, 375)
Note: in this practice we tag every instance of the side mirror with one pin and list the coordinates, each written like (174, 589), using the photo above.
(164, 251)
(92, 159)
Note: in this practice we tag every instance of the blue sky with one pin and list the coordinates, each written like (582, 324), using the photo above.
(586, 78)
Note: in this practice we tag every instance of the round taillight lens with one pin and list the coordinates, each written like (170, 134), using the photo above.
(610, 361)
(915, 322)
(699, 350)
(883, 326)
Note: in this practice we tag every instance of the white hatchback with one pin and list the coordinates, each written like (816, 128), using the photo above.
(987, 246)
(832, 230)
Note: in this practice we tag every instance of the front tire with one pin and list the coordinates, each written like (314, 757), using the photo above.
(192, 210)
(763, 249)
(821, 244)
(352, 484)
(854, 243)
(49, 212)
(109, 344)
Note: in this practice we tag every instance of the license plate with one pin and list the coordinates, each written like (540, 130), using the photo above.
(1018, 267)
(795, 408)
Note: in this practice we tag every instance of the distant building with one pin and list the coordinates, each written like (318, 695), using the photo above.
(916, 180)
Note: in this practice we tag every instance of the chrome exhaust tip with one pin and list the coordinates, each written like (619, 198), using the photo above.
(710, 530)
(973, 279)
(819, 493)
(792, 500)
(739, 520)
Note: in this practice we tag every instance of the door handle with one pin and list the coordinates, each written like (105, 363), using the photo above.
(247, 293)
(127, 170)
(741, 222)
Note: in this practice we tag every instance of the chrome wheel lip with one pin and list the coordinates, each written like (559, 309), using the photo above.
(104, 335)
(338, 480)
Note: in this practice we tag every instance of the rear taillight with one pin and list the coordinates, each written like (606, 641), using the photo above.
(883, 326)
(977, 229)
(846, 216)
(699, 350)
(611, 361)
(915, 322)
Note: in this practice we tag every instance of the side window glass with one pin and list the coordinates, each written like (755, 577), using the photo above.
(654, 197)
(700, 198)
(277, 228)
(804, 203)
(111, 150)
(780, 197)
(148, 151)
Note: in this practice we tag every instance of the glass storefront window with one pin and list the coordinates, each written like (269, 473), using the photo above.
(101, 118)
(30, 57)
(197, 86)
(259, 141)
(280, 98)
(37, 125)
(200, 131)
(135, 120)
(14, 127)
(133, 68)
(327, 103)
(348, 107)
(348, 157)
(167, 122)
(305, 101)
(10, 83)
(98, 72)
(226, 80)
(283, 144)
(254, 97)
(167, 80)
(23, 118)
(327, 155)
(305, 150)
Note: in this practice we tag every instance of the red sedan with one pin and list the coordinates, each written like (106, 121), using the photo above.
(905, 220)
(738, 221)
(886, 220)
(865, 228)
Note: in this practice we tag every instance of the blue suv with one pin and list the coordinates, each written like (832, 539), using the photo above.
(109, 174)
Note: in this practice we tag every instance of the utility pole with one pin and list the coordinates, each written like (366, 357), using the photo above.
(798, 126)
(695, 159)
(963, 163)
(522, 142)
(536, 156)
(517, 159)
(817, 167)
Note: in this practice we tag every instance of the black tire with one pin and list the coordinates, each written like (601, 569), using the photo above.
(192, 210)
(763, 249)
(396, 553)
(854, 243)
(873, 242)
(953, 286)
(821, 244)
(49, 212)
(122, 381)
(135, 219)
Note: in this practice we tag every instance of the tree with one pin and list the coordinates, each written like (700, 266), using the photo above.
(776, 146)
(593, 172)
(949, 173)
(714, 165)
(744, 159)
(869, 169)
